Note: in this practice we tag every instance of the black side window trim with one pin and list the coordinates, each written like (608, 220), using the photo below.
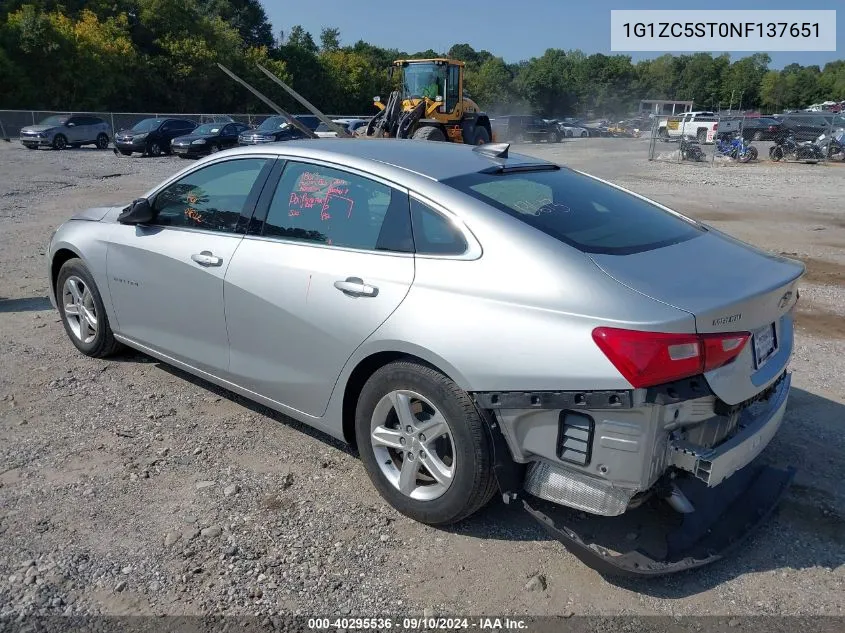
(252, 198)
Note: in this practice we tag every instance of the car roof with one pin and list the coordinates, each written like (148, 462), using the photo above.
(435, 160)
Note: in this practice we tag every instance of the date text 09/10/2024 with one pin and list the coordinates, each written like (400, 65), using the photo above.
(421, 624)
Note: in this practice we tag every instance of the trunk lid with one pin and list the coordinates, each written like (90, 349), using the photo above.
(728, 286)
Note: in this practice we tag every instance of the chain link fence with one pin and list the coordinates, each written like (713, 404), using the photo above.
(710, 139)
(14, 120)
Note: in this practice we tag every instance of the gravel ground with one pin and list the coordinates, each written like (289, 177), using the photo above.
(127, 487)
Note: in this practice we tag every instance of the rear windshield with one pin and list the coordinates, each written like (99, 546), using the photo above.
(578, 210)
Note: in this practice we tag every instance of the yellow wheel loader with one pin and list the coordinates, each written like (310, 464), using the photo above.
(431, 105)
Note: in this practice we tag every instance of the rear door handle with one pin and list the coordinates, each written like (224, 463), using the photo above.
(355, 287)
(207, 258)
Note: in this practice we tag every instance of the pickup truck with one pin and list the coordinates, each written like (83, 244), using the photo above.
(701, 125)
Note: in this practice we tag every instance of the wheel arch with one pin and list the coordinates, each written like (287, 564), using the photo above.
(368, 365)
(62, 255)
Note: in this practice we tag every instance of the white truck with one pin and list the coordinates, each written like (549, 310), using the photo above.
(702, 126)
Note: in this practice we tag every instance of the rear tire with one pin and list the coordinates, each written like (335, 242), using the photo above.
(102, 141)
(82, 311)
(480, 136)
(429, 133)
(777, 153)
(462, 443)
(154, 149)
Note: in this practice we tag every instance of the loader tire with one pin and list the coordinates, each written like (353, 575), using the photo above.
(480, 136)
(429, 133)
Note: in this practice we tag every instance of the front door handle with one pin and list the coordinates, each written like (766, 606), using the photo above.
(355, 287)
(207, 258)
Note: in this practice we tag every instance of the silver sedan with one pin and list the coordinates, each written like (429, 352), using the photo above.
(472, 320)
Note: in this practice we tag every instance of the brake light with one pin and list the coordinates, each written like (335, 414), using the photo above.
(715, 126)
(653, 358)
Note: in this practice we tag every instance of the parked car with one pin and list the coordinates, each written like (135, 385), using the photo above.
(151, 137)
(753, 128)
(357, 285)
(272, 129)
(312, 122)
(573, 130)
(809, 126)
(207, 139)
(61, 131)
(350, 125)
(524, 129)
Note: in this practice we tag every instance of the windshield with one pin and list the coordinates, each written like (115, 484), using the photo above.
(273, 123)
(54, 120)
(424, 80)
(208, 128)
(576, 209)
(147, 125)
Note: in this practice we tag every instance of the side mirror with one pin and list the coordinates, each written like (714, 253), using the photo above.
(139, 212)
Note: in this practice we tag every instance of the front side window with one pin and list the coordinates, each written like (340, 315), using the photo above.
(319, 204)
(211, 198)
(578, 210)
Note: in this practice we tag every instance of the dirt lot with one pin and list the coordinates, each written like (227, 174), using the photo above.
(129, 487)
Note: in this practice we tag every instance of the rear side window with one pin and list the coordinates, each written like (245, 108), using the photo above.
(578, 210)
(434, 234)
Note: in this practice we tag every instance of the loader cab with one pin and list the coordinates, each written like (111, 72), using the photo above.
(439, 80)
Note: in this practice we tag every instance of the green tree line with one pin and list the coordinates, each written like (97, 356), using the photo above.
(161, 55)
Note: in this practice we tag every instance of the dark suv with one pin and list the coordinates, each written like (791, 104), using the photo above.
(525, 129)
(151, 137)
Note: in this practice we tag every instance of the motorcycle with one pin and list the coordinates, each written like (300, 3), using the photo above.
(833, 146)
(691, 150)
(786, 147)
(736, 148)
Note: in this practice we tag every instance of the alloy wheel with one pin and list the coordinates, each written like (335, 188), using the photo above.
(413, 445)
(80, 310)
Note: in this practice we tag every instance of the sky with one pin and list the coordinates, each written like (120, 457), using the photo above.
(513, 30)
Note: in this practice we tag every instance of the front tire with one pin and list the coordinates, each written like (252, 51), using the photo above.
(424, 444)
(429, 133)
(59, 141)
(81, 309)
(480, 136)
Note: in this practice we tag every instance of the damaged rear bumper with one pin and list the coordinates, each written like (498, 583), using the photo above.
(723, 518)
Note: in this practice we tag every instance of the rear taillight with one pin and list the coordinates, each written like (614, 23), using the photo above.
(653, 358)
(715, 126)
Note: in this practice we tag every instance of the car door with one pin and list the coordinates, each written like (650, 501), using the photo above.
(229, 135)
(166, 278)
(75, 129)
(329, 259)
